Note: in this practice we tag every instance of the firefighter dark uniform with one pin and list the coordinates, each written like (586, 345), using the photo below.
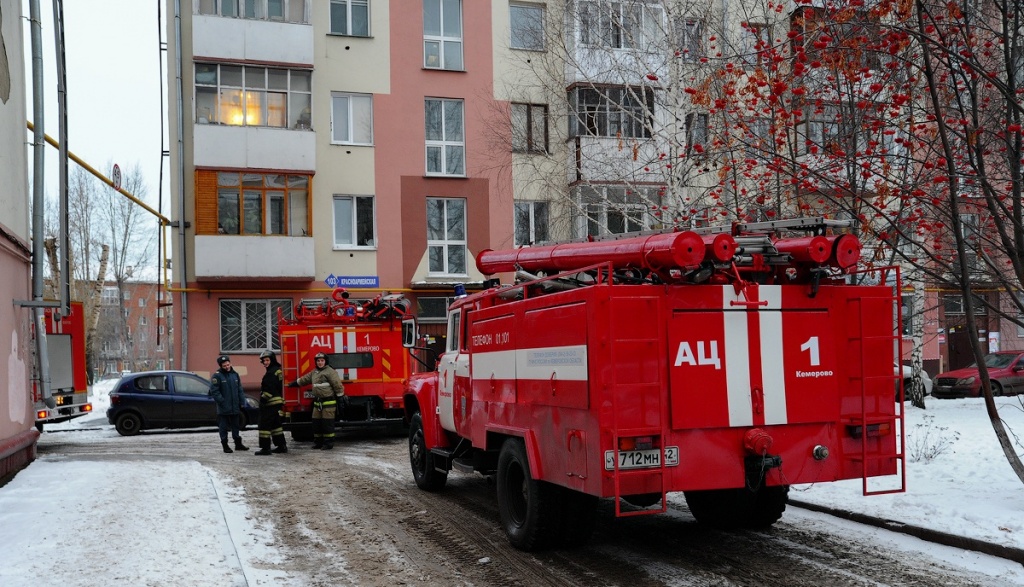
(327, 388)
(271, 402)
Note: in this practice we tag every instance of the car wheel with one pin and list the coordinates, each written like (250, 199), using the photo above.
(997, 388)
(243, 421)
(128, 424)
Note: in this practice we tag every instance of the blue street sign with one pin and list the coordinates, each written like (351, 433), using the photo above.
(352, 281)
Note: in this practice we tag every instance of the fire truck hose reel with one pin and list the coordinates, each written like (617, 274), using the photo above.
(846, 250)
(809, 249)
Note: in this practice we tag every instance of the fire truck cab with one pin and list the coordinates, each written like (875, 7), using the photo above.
(726, 364)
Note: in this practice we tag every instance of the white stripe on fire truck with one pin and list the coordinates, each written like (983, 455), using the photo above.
(772, 372)
(737, 356)
(345, 341)
(737, 362)
(565, 363)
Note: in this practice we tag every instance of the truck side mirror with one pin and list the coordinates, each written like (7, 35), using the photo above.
(409, 333)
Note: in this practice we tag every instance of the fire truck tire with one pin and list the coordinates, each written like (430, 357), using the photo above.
(128, 424)
(530, 510)
(643, 500)
(768, 506)
(39, 426)
(427, 477)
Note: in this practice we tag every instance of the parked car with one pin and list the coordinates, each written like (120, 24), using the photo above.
(166, 399)
(907, 374)
(1005, 369)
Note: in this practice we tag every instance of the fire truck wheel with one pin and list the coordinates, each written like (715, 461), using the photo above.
(768, 506)
(39, 426)
(643, 500)
(128, 424)
(530, 509)
(427, 477)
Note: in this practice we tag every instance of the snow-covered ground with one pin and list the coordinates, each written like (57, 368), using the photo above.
(75, 512)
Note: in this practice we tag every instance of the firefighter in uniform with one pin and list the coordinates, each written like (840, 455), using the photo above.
(271, 401)
(327, 390)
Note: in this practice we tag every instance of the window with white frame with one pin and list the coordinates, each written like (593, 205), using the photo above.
(109, 297)
(143, 321)
(446, 236)
(350, 17)
(251, 325)
(611, 111)
(531, 222)
(246, 95)
(754, 43)
(353, 222)
(293, 11)
(351, 118)
(689, 38)
(527, 26)
(142, 302)
(757, 137)
(442, 34)
(446, 142)
(615, 209)
(529, 128)
(620, 25)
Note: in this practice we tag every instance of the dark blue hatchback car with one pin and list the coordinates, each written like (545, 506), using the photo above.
(166, 399)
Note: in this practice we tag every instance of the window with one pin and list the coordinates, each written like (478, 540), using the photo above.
(350, 17)
(446, 147)
(244, 95)
(432, 310)
(442, 34)
(527, 26)
(531, 223)
(757, 138)
(620, 25)
(610, 210)
(696, 131)
(190, 385)
(143, 321)
(529, 128)
(754, 43)
(109, 297)
(953, 304)
(689, 38)
(353, 222)
(286, 10)
(446, 236)
(251, 325)
(351, 118)
(971, 235)
(142, 302)
(612, 112)
(258, 203)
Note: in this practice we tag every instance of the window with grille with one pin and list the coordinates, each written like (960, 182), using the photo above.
(251, 325)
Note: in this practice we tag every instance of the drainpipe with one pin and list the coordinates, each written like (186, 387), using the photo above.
(182, 258)
(38, 158)
(64, 244)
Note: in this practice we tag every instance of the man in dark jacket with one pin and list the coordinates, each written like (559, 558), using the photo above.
(271, 401)
(226, 391)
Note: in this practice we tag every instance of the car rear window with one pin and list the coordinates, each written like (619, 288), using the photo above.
(151, 383)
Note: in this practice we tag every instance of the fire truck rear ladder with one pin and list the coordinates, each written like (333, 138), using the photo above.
(895, 422)
(623, 347)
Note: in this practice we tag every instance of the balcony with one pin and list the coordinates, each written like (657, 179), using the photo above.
(237, 39)
(254, 258)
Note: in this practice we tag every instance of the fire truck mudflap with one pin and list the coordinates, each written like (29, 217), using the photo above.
(711, 371)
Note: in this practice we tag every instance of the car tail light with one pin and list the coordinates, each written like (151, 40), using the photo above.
(115, 399)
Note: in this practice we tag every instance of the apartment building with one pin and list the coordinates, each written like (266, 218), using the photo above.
(349, 143)
(134, 329)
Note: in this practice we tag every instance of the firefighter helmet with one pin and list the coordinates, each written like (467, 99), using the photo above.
(320, 356)
(268, 354)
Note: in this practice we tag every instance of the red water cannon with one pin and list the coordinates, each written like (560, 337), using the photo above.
(660, 253)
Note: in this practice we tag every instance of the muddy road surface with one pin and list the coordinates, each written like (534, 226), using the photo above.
(354, 516)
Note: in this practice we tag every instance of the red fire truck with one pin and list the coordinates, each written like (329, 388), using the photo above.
(363, 342)
(726, 363)
(65, 343)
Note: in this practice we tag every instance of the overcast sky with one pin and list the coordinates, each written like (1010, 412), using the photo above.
(113, 87)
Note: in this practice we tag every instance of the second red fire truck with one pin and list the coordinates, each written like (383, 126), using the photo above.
(362, 341)
(726, 364)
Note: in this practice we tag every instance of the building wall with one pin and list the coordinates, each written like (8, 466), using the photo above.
(17, 434)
